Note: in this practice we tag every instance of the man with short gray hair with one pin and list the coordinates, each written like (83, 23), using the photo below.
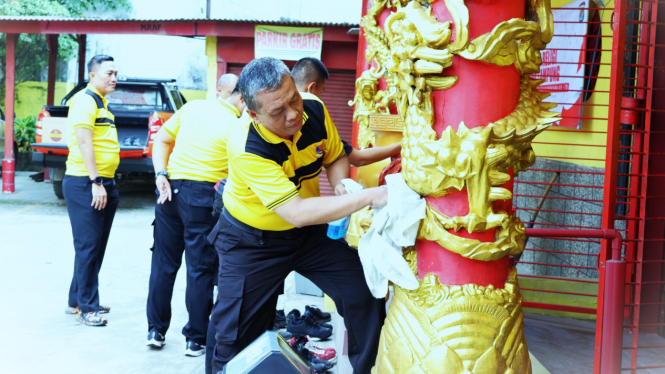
(274, 220)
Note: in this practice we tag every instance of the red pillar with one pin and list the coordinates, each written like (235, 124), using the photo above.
(82, 44)
(479, 84)
(222, 66)
(8, 163)
(52, 58)
(362, 65)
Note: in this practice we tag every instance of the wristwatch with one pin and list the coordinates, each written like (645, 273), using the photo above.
(164, 173)
(98, 180)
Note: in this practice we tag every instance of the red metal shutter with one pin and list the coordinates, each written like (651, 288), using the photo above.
(340, 89)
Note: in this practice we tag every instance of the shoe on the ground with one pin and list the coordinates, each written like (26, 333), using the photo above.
(280, 320)
(91, 319)
(136, 142)
(193, 349)
(308, 313)
(312, 359)
(103, 309)
(318, 368)
(155, 339)
(328, 354)
(296, 312)
(127, 141)
(306, 325)
(318, 314)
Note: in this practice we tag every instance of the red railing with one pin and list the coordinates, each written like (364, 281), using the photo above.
(609, 177)
(612, 308)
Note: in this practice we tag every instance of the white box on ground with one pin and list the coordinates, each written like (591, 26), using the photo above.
(305, 286)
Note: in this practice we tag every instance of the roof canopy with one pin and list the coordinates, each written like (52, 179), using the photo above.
(178, 27)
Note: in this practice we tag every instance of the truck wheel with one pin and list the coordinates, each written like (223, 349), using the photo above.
(57, 188)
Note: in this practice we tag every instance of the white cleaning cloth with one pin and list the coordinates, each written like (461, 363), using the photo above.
(393, 226)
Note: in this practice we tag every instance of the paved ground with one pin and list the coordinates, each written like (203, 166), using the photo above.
(36, 264)
(37, 260)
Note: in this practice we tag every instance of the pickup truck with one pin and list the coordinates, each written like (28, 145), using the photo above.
(140, 107)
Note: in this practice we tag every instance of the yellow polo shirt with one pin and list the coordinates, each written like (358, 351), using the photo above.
(89, 109)
(266, 171)
(200, 129)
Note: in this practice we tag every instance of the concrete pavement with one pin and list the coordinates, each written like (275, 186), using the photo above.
(36, 265)
(37, 259)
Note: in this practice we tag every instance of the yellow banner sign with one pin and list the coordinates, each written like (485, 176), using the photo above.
(287, 43)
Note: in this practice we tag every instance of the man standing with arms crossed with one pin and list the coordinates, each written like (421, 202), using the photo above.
(89, 188)
(274, 220)
(185, 182)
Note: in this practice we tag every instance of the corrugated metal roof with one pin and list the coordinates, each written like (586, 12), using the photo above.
(95, 19)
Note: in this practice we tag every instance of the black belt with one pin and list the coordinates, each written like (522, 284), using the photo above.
(286, 234)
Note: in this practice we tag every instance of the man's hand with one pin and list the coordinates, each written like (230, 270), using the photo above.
(98, 196)
(379, 196)
(164, 188)
(340, 189)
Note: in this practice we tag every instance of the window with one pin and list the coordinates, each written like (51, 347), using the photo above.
(129, 97)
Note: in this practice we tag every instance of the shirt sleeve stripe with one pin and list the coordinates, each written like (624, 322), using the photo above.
(169, 132)
(338, 157)
(282, 200)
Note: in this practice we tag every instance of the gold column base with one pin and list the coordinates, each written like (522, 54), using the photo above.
(454, 330)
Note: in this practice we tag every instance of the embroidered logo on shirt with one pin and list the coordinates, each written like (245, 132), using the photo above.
(319, 151)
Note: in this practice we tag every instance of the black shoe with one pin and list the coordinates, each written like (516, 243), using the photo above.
(155, 339)
(136, 142)
(318, 368)
(194, 350)
(127, 141)
(307, 325)
(296, 312)
(318, 314)
(280, 320)
(306, 355)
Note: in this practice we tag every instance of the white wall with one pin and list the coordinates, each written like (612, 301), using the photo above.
(152, 56)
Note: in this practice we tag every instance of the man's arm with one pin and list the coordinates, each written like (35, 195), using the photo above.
(318, 210)
(84, 141)
(339, 170)
(362, 157)
(161, 148)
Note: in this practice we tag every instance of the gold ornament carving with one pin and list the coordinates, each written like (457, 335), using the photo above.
(510, 235)
(438, 328)
(454, 330)
(368, 101)
(358, 225)
(386, 122)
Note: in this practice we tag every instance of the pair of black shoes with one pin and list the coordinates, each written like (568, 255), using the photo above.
(131, 141)
(312, 323)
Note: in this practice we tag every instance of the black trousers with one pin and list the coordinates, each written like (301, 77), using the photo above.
(90, 229)
(251, 270)
(182, 225)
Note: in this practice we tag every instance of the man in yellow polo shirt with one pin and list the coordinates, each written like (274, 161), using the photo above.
(274, 220)
(185, 182)
(89, 188)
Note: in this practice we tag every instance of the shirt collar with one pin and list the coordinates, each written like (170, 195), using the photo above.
(231, 107)
(268, 136)
(94, 90)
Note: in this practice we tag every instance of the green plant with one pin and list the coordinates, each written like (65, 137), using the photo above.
(32, 49)
(24, 132)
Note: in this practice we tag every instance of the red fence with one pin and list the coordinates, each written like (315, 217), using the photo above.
(604, 174)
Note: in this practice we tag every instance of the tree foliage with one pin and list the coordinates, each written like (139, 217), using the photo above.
(32, 49)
